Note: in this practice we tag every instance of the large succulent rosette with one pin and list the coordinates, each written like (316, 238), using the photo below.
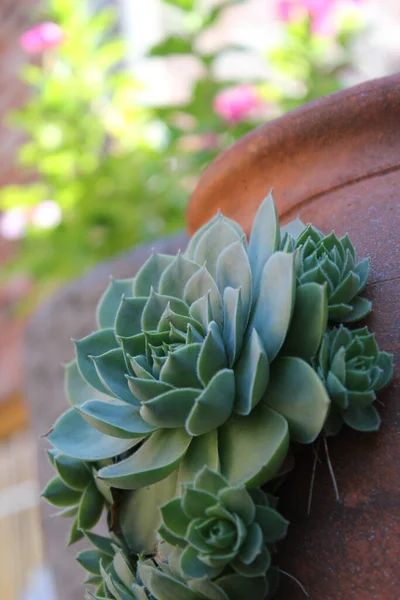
(200, 359)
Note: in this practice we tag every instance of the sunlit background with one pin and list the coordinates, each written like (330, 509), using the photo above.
(110, 111)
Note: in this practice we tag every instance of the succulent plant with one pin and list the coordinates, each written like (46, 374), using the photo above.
(184, 370)
(164, 582)
(111, 567)
(219, 527)
(78, 492)
(328, 259)
(352, 368)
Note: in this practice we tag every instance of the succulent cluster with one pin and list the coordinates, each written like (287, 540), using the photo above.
(327, 259)
(184, 402)
(353, 369)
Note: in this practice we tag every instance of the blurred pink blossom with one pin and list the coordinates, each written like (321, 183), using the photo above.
(320, 12)
(13, 223)
(41, 37)
(234, 104)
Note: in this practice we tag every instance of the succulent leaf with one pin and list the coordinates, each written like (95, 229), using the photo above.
(296, 393)
(264, 238)
(108, 305)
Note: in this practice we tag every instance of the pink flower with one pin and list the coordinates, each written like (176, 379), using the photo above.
(319, 11)
(41, 37)
(234, 104)
(13, 223)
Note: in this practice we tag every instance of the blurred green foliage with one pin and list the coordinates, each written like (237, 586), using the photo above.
(120, 171)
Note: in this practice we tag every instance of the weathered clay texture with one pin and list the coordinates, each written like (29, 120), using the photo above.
(335, 162)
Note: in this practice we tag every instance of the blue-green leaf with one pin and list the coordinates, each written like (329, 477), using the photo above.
(274, 304)
(108, 305)
(128, 321)
(220, 235)
(149, 275)
(180, 369)
(200, 284)
(171, 408)
(296, 392)
(74, 436)
(111, 369)
(77, 389)
(251, 375)
(94, 344)
(116, 420)
(233, 270)
(214, 405)
(264, 239)
(155, 460)
(90, 507)
(212, 357)
(156, 305)
(234, 323)
(176, 276)
(252, 448)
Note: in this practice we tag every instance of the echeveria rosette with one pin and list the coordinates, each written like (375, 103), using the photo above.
(353, 369)
(184, 370)
(330, 260)
(221, 528)
(111, 571)
(77, 492)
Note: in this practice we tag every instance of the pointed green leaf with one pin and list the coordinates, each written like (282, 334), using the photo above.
(128, 321)
(59, 494)
(139, 513)
(257, 568)
(149, 275)
(214, 405)
(111, 370)
(252, 545)
(90, 507)
(146, 389)
(362, 419)
(207, 589)
(210, 480)
(108, 305)
(75, 534)
(296, 392)
(180, 367)
(385, 362)
(234, 323)
(116, 420)
(155, 460)
(200, 284)
(251, 375)
(212, 357)
(252, 448)
(174, 518)
(264, 238)
(156, 305)
(90, 560)
(293, 228)
(202, 451)
(176, 276)
(213, 241)
(102, 543)
(201, 311)
(361, 307)
(273, 525)
(238, 501)
(170, 409)
(362, 270)
(274, 305)
(73, 472)
(94, 344)
(74, 436)
(164, 587)
(238, 587)
(233, 270)
(77, 390)
(309, 321)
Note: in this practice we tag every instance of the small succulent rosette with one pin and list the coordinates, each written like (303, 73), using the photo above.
(353, 370)
(330, 260)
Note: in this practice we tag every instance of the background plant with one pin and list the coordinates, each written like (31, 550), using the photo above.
(103, 164)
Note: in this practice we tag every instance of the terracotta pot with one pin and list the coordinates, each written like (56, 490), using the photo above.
(335, 162)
